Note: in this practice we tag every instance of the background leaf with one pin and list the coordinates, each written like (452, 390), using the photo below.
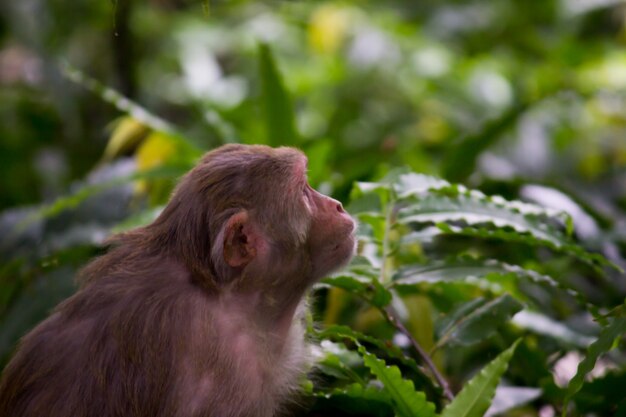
(476, 320)
(277, 108)
(603, 344)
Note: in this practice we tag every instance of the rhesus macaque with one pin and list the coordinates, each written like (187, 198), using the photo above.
(198, 313)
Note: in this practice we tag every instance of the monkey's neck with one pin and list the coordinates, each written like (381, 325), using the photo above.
(272, 305)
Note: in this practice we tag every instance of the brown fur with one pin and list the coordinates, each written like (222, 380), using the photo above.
(196, 314)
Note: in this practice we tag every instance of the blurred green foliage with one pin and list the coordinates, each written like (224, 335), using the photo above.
(104, 105)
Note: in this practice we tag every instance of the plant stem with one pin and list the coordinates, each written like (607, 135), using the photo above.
(388, 219)
(393, 320)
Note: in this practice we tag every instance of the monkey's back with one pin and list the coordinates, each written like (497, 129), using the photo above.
(105, 352)
(129, 346)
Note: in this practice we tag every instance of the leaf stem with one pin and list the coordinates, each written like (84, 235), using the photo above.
(389, 212)
(393, 320)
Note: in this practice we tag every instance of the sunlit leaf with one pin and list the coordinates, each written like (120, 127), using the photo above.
(127, 135)
(474, 208)
(544, 325)
(327, 28)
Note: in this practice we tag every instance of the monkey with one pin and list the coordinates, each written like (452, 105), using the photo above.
(198, 314)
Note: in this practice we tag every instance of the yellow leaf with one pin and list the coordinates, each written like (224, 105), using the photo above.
(336, 300)
(327, 28)
(126, 136)
(157, 149)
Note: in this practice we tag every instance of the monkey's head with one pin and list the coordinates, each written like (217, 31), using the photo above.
(248, 210)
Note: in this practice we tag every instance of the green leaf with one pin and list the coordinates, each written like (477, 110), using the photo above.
(601, 395)
(474, 208)
(418, 185)
(71, 201)
(545, 325)
(486, 273)
(564, 246)
(384, 189)
(337, 361)
(475, 397)
(461, 159)
(319, 154)
(357, 391)
(276, 103)
(406, 401)
(376, 222)
(603, 344)
(357, 399)
(126, 105)
(391, 351)
(138, 219)
(476, 320)
(338, 332)
(412, 183)
(365, 287)
(89, 190)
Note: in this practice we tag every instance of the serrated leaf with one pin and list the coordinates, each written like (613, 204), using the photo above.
(357, 399)
(357, 391)
(412, 183)
(384, 188)
(472, 270)
(475, 397)
(438, 271)
(602, 394)
(406, 401)
(365, 287)
(418, 185)
(604, 343)
(391, 351)
(477, 320)
(336, 360)
(474, 208)
(277, 108)
(568, 247)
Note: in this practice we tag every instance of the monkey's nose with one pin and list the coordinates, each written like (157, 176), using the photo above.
(340, 208)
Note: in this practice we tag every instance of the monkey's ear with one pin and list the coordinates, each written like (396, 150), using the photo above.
(241, 240)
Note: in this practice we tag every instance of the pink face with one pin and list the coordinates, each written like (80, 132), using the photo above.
(331, 237)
